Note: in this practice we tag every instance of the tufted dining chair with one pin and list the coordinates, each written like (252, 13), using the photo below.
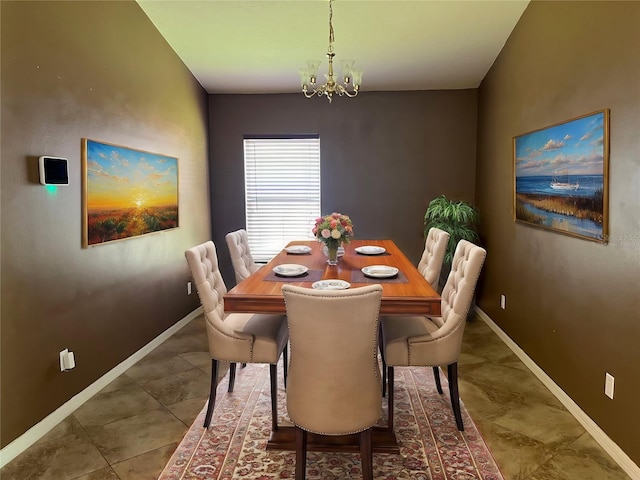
(436, 341)
(334, 385)
(235, 337)
(243, 263)
(430, 266)
(435, 247)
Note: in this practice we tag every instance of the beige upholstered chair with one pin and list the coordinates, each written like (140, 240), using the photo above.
(243, 264)
(435, 246)
(423, 341)
(430, 266)
(235, 337)
(334, 385)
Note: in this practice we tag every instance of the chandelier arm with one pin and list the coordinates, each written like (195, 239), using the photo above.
(319, 92)
(340, 90)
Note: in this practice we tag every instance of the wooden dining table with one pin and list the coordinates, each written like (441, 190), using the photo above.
(407, 293)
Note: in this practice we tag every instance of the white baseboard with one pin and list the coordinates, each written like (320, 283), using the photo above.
(589, 425)
(35, 433)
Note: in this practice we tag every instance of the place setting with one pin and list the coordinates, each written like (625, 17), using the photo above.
(293, 272)
(380, 273)
(290, 270)
(298, 249)
(371, 250)
(331, 284)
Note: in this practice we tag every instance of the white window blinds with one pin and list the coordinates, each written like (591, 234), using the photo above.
(282, 192)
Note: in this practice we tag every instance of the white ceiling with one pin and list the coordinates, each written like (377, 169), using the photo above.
(239, 46)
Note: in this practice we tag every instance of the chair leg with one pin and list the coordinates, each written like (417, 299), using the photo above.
(285, 364)
(232, 376)
(273, 374)
(384, 363)
(301, 453)
(366, 453)
(390, 374)
(452, 372)
(436, 375)
(212, 392)
(384, 377)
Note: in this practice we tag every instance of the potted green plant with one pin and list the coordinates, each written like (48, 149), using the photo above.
(458, 218)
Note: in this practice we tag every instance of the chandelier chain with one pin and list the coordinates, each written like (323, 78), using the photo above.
(331, 35)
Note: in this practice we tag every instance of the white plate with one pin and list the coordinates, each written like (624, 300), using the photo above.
(330, 285)
(290, 269)
(370, 250)
(298, 249)
(380, 271)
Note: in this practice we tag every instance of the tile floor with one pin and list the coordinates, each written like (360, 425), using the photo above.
(129, 430)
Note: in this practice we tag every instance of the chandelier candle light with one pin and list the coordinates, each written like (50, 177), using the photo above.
(351, 78)
(333, 230)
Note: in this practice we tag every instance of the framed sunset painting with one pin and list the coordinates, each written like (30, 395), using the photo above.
(126, 192)
(561, 177)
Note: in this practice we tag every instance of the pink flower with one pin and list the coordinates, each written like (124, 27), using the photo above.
(326, 233)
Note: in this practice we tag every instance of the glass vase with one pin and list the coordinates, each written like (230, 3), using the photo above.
(331, 251)
(332, 254)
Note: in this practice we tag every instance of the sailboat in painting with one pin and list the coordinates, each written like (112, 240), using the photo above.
(557, 184)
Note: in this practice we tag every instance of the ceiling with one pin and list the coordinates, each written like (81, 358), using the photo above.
(239, 46)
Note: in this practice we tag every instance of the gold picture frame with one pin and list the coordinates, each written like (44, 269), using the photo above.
(126, 193)
(561, 177)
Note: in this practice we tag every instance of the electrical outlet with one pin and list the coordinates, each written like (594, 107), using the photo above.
(63, 357)
(503, 302)
(188, 288)
(608, 385)
(67, 360)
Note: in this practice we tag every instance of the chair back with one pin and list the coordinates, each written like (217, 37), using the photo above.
(203, 263)
(435, 248)
(243, 263)
(334, 382)
(457, 293)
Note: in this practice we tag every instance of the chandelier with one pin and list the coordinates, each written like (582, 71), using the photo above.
(350, 78)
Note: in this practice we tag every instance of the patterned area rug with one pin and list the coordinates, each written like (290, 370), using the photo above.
(431, 447)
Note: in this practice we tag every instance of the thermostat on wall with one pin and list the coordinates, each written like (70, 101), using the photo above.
(53, 170)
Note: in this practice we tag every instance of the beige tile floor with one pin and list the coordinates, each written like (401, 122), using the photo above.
(129, 430)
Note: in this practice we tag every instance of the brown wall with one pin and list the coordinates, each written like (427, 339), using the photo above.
(384, 156)
(98, 70)
(572, 305)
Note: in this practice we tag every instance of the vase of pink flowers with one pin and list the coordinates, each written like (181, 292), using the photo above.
(333, 230)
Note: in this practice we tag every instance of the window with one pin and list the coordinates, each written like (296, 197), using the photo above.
(282, 191)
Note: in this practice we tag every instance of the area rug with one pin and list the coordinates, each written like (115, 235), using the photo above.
(431, 447)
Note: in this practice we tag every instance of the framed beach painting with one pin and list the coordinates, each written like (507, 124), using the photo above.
(561, 175)
(126, 192)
